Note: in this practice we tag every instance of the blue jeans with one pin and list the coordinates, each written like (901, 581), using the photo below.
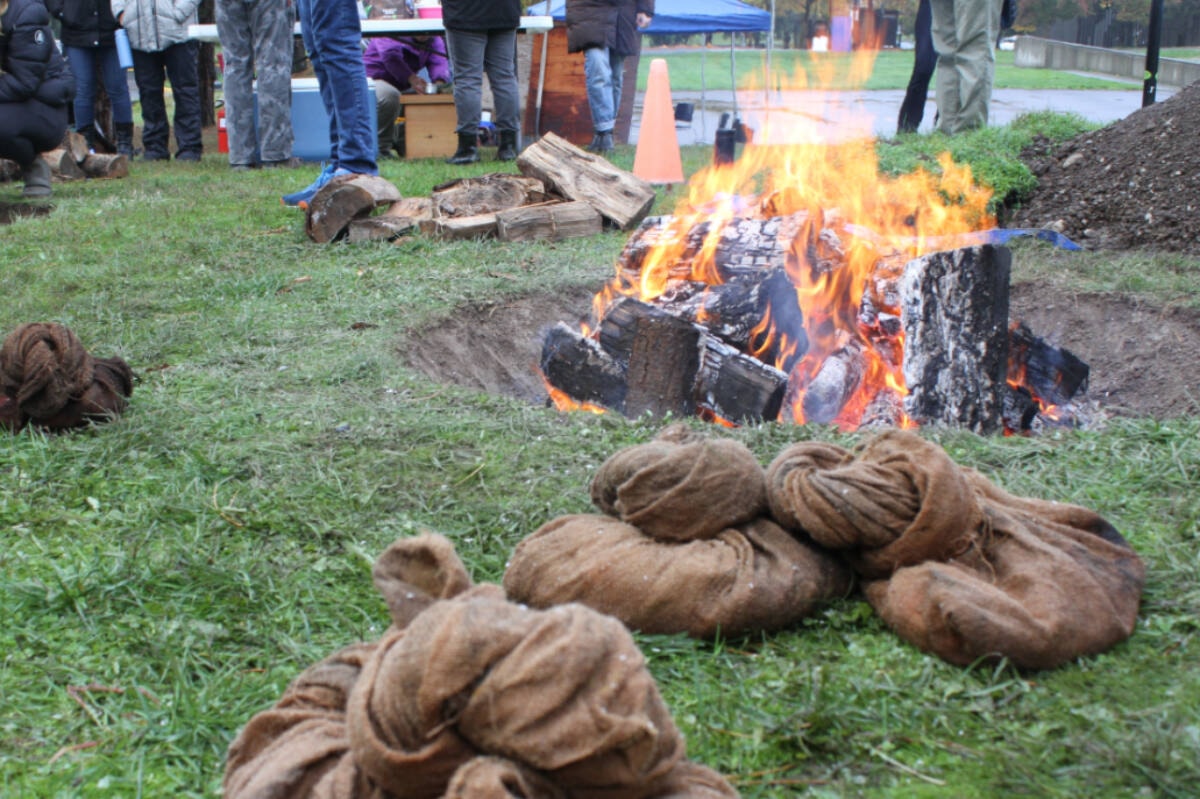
(471, 54)
(333, 38)
(604, 71)
(88, 62)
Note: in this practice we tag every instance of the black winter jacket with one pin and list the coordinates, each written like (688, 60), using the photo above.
(85, 23)
(606, 23)
(481, 15)
(30, 65)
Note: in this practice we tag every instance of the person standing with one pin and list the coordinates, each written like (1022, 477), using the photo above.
(332, 35)
(162, 50)
(605, 31)
(395, 65)
(964, 36)
(91, 50)
(912, 110)
(35, 87)
(257, 41)
(482, 37)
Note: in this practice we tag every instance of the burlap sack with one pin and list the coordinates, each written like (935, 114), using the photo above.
(681, 487)
(43, 365)
(750, 578)
(103, 400)
(956, 565)
(470, 696)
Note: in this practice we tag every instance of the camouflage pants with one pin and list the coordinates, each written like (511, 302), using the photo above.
(256, 37)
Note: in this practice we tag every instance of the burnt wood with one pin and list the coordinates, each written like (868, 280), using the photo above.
(833, 385)
(580, 368)
(954, 305)
(1053, 374)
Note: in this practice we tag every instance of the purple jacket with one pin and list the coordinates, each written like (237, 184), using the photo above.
(397, 60)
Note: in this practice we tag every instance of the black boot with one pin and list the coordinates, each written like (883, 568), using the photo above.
(468, 150)
(602, 142)
(37, 178)
(507, 151)
(124, 132)
(89, 135)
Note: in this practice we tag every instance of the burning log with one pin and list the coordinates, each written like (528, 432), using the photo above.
(578, 175)
(341, 201)
(834, 384)
(553, 221)
(1051, 373)
(487, 194)
(580, 368)
(955, 313)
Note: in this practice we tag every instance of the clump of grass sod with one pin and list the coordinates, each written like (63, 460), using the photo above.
(165, 575)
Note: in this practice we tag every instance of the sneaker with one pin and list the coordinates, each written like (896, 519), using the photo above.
(300, 198)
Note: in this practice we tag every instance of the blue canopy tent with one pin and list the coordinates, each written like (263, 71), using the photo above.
(686, 17)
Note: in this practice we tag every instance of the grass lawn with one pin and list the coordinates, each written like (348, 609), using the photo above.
(163, 577)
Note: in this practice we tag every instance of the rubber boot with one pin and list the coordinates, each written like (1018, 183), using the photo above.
(602, 142)
(124, 132)
(468, 150)
(37, 179)
(507, 151)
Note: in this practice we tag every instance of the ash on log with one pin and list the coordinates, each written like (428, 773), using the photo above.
(954, 305)
(834, 384)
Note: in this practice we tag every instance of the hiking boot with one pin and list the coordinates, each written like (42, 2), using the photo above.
(300, 199)
(601, 143)
(37, 179)
(468, 150)
(507, 151)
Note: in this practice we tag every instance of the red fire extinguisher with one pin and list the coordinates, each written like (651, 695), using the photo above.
(222, 133)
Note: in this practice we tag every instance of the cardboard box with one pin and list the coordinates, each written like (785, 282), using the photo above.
(429, 122)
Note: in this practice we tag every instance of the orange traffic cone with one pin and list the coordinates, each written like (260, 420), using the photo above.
(657, 159)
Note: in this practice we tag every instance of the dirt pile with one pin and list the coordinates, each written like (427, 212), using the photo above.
(1133, 184)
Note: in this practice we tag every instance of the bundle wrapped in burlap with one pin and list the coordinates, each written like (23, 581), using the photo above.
(468, 695)
(684, 547)
(956, 565)
(53, 382)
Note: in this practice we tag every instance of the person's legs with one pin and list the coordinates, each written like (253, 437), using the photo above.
(912, 110)
(337, 39)
(597, 70)
(180, 61)
(978, 23)
(466, 62)
(616, 69)
(116, 84)
(83, 67)
(148, 72)
(237, 45)
(304, 9)
(26, 130)
(387, 108)
(499, 61)
(945, 42)
(271, 27)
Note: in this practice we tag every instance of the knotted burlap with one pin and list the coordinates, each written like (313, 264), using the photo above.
(956, 565)
(753, 577)
(468, 695)
(54, 383)
(681, 486)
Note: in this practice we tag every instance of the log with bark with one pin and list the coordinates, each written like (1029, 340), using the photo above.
(954, 305)
(342, 200)
(106, 165)
(481, 226)
(580, 368)
(571, 172)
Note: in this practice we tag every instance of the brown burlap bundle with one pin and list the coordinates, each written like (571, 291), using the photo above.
(55, 384)
(468, 695)
(956, 565)
(681, 487)
(748, 578)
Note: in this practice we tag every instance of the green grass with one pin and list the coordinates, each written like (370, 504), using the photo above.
(164, 576)
(890, 69)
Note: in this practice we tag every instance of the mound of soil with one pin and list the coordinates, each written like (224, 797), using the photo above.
(1141, 365)
(1132, 184)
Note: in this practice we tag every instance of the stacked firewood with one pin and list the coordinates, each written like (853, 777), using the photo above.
(561, 192)
(72, 160)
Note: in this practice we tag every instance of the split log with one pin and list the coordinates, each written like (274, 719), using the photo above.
(553, 221)
(833, 385)
(580, 368)
(1053, 374)
(487, 194)
(63, 165)
(464, 227)
(954, 305)
(417, 209)
(576, 174)
(736, 387)
(76, 145)
(106, 165)
(758, 313)
(378, 228)
(342, 200)
(741, 245)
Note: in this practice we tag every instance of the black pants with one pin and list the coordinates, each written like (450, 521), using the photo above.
(178, 64)
(912, 110)
(29, 128)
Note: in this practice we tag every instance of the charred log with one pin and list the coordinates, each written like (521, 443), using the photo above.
(833, 385)
(1053, 374)
(581, 369)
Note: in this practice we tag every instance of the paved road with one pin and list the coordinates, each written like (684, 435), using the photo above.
(811, 116)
